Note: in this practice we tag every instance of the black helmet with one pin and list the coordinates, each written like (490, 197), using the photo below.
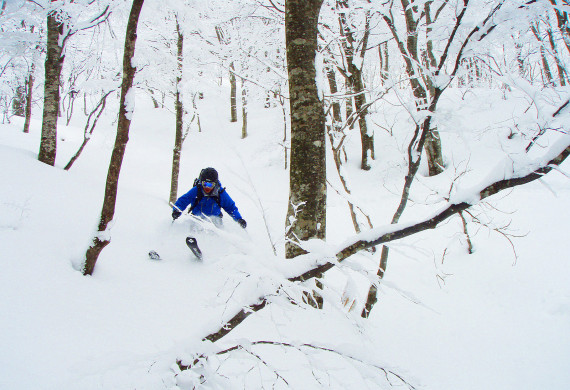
(209, 174)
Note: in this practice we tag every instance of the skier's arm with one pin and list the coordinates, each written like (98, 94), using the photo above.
(186, 199)
(229, 206)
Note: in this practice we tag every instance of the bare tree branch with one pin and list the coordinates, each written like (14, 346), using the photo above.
(300, 347)
(399, 231)
(393, 232)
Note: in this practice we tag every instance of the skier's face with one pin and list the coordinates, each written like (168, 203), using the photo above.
(208, 186)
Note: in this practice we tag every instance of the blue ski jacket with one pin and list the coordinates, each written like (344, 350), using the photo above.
(208, 205)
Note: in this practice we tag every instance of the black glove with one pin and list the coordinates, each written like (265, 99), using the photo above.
(176, 214)
(242, 223)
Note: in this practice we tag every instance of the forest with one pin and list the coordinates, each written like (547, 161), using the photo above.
(401, 166)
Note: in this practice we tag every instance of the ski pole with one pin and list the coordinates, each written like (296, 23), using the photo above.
(174, 206)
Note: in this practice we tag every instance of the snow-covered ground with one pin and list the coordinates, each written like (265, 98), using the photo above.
(445, 320)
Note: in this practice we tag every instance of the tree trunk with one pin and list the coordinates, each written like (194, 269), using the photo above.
(243, 110)
(433, 146)
(421, 134)
(520, 58)
(366, 139)
(562, 19)
(433, 152)
(384, 61)
(410, 55)
(29, 95)
(547, 74)
(19, 101)
(53, 66)
(306, 215)
(355, 80)
(545, 67)
(233, 94)
(179, 108)
(331, 77)
(102, 239)
(559, 63)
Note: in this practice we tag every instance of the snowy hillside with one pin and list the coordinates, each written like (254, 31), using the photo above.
(445, 320)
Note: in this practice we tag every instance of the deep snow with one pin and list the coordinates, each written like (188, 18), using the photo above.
(445, 319)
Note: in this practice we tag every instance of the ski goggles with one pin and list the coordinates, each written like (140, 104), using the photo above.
(208, 184)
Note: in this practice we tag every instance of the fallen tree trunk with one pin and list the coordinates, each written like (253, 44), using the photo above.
(392, 233)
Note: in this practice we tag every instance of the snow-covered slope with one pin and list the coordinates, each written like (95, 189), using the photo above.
(445, 319)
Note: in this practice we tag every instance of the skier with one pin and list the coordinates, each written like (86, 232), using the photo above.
(207, 198)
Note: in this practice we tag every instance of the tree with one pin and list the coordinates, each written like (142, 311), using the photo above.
(560, 9)
(420, 64)
(53, 66)
(306, 215)
(179, 109)
(21, 44)
(423, 133)
(29, 97)
(259, 69)
(126, 107)
(61, 25)
(552, 159)
(353, 54)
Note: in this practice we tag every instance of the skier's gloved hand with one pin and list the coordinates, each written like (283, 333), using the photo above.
(176, 214)
(242, 223)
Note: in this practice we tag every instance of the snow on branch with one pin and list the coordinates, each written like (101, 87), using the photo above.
(395, 232)
(552, 160)
(399, 231)
(388, 375)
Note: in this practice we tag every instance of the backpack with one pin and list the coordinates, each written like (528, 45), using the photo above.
(200, 194)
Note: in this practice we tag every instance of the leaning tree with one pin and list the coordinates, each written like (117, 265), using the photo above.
(126, 107)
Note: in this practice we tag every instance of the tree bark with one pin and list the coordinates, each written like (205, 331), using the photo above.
(562, 19)
(29, 96)
(547, 78)
(355, 80)
(19, 101)
(233, 94)
(306, 215)
(103, 238)
(243, 110)
(410, 55)
(331, 77)
(53, 66)
(179, 108)
(559, 64)
(384, 61)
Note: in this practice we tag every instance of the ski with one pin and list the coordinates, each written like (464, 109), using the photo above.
(153, 255)
(193, 245)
